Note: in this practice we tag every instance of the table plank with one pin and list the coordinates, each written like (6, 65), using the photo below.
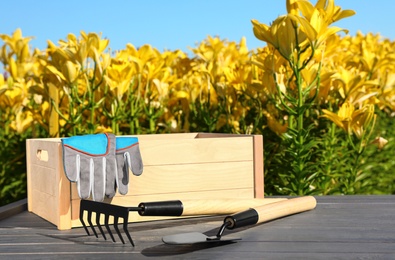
(342, 227)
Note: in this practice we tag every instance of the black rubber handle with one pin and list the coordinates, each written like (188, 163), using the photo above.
(172, 208)
(270, 211)
(242, 219)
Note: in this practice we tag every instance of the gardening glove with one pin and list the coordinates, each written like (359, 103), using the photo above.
(89, 160)
(128, 158)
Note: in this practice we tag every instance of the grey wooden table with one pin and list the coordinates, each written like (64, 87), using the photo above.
(341, 227)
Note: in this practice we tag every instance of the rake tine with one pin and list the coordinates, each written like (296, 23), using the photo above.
(125, 229)
(99, 226)
(108, 227)
(82, 219)
(90, 223)
(117, 230)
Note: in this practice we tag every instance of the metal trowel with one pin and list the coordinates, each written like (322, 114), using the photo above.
(248, 217)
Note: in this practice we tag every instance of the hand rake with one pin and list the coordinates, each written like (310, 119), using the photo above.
(175, 208)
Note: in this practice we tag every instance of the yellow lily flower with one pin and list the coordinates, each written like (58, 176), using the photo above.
(292, 7)
(12, 96)
(352, 86)
(350, 119)
(327, 8)
(118, 77)
(281, 35)
(275, 125)
(162, 87)
(103, 129)
(93, 42)
(238, 77)
(387, 97)
(13, 68)
(286, 34)
(362, 120)
(320, 16)
(18, 45)
(70, 71)
(263, 33)
(22, 122)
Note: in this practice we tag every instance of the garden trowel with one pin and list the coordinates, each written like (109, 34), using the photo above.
(255, 215)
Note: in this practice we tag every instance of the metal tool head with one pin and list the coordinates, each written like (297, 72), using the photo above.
(194, 238)
(107, 210)
(156, 208)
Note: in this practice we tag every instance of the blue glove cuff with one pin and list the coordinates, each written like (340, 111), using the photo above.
(125, 142)
(95, 145)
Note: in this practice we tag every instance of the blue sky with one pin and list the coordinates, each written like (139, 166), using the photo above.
(171, 24)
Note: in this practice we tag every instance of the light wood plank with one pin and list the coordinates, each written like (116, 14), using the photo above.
(169, 152)
(258, 167)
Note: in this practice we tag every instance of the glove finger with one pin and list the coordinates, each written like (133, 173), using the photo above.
(70, 161)
(136, 162)
(123, 174)
(99, 179)
(111, 167)
(84, 182)
(127, 148)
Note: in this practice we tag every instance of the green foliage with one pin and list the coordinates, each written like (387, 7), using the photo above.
(336, 167)
(13, 168)
(378, 166)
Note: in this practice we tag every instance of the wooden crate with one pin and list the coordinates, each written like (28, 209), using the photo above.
(176, 166)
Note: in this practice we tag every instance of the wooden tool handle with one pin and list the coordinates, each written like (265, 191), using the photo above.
(223, 206)
(270, 211)
(202, 207)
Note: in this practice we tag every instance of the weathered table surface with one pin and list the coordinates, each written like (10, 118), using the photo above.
(341, 227)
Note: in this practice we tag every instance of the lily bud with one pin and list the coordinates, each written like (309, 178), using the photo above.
(380, 142)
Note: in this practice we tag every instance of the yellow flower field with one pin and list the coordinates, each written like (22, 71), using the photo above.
(319, 96)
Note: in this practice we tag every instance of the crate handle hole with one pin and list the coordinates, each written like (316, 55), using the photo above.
(42, 155)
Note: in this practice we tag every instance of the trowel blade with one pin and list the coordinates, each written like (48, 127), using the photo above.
(193, 238)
